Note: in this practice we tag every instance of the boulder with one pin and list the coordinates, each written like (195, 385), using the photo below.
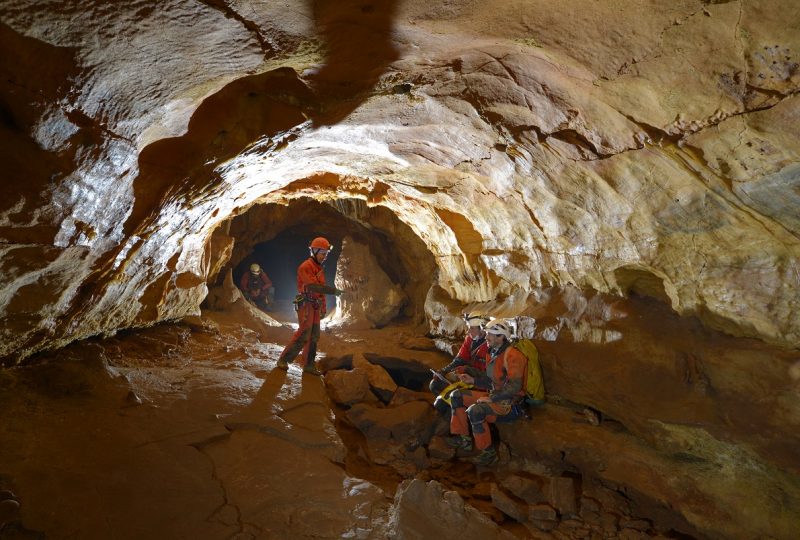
(370, 299)
(409, 422)
(439, 450)
(507, 505)
(540, 512)
(404, 395)
(379, 379)
(425, 510)
(328, 363)
(529, 490)
(347, 387)
(562, 496)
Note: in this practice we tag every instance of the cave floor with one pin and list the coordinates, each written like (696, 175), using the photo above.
(187, 430)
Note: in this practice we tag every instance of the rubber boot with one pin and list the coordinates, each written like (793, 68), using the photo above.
(459, 442)
(486, 457)
(311, 369)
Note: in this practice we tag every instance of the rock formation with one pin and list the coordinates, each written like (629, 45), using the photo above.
(642, 162)
(624, 176)
(370, 299)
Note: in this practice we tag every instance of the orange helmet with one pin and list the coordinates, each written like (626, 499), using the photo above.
(320, 243)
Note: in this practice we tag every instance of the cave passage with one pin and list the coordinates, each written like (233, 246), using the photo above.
(276, 236)
(281, 256)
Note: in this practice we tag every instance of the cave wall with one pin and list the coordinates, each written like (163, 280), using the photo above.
(533, 158)
(664, 147)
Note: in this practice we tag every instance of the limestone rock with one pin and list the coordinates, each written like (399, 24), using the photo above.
(552, 136)
(347, 387)
(404, 395)
(438, 449)
(379, 379)
(527, 489)
(419, 343)
(222, 296)
(508, 506)
(330, 363)
(425, 510)
(641, 525)
(539, 163)
(542, 512)
(562, 496)
(410, 421)
(370, 298)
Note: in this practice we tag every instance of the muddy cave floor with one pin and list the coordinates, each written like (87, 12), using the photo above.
(187, 430)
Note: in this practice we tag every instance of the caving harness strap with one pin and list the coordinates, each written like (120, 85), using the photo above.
(302, 298)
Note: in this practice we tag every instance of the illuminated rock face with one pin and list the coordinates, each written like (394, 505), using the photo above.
(656, 152)
(370, 299)
(525, 157)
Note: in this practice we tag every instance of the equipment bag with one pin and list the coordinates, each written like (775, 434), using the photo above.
(534, 383)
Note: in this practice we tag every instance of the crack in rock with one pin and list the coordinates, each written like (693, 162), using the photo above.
(268, 46)
(241, 525)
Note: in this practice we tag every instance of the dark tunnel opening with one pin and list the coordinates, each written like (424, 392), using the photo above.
(412, 375)
(276, 236)
(281, 256)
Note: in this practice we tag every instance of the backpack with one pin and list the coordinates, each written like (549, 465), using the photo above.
(534, 383)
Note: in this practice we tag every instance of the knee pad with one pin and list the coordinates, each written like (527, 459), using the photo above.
(456, 399)
(476, 414)
(441, 406)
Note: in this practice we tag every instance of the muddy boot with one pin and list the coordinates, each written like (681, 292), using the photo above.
(459, 442)
(311, 369)
(486, 457)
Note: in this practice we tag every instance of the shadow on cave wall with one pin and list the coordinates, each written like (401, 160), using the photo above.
(356, 36)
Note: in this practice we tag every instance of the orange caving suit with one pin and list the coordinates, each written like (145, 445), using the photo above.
(310, 272)
(471, 355)
(263, 284)
(505, 370)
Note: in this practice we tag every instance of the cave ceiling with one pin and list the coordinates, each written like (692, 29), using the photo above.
(612, 146)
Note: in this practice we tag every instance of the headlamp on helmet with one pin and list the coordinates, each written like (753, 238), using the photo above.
(319, 244)
(499, 327)
(475, 320)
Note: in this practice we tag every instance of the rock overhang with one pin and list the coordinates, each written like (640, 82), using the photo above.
(559, 170)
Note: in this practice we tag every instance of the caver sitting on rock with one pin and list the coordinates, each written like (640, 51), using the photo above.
(505, 377)
(471, 359)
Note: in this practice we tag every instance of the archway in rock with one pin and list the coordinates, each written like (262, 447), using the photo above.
(523, 158)
(276, 235)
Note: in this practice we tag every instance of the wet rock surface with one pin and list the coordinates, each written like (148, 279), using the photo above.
(627, 161)
(622, 175)
(370, 299)
(250, 450)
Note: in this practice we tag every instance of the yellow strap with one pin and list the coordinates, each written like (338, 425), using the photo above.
(445, 394)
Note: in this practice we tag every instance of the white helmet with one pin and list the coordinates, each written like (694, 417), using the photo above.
(254, 268)
(473, 319)
(499, 327)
